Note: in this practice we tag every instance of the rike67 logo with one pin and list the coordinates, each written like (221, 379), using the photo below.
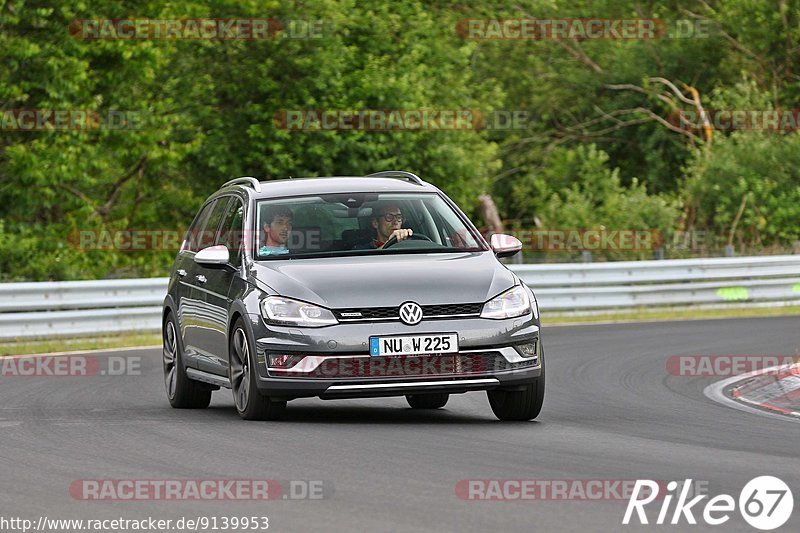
(765, 503)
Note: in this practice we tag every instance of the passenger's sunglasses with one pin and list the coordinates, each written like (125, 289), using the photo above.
(391, 217)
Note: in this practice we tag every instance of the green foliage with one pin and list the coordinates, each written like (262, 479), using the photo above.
(205, 111)
(762, 170)
(593, 154)
(576, 190)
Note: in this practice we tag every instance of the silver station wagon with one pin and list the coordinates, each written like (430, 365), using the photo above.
(347, 287)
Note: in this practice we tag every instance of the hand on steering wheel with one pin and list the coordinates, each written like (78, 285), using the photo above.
(391, 241)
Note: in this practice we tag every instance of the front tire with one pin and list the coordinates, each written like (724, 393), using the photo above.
(250, 403)
(427, 401)
(182, 392)
(519, 405)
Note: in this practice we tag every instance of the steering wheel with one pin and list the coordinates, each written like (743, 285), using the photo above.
(414, 237)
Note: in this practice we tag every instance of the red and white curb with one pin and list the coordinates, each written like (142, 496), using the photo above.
(773, 392)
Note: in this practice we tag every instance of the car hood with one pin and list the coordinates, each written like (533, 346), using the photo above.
(387, 280)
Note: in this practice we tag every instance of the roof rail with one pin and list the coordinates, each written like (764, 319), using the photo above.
(397, 174)
(244, 180)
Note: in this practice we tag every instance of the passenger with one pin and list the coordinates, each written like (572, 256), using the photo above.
(277, 226)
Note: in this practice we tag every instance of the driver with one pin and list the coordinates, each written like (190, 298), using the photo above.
(387, 219)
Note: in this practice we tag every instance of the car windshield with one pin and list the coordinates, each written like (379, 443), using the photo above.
(360, 223)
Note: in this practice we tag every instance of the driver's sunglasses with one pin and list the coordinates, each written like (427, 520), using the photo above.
(391, 217)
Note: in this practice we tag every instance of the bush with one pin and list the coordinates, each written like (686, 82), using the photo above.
(761, 170)
(576, 190)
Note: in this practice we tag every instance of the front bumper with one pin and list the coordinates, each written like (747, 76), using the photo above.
(335, 360)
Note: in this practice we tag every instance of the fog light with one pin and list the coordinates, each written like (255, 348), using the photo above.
(527, 350)
(284, 360)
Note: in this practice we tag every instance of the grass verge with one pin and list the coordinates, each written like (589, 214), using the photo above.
(645, 315)
(81, 343)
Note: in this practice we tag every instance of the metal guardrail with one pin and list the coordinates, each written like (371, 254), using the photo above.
(678, 282)
(75, 308)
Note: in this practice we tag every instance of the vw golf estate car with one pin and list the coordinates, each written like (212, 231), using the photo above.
(291, 288)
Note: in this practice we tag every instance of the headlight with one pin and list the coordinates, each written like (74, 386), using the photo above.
(511, 304)
(280, 310)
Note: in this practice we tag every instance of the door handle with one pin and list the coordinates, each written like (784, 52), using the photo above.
(200, 279)
(180, 272)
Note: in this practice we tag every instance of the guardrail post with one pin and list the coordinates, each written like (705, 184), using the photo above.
(659, 254)
(587, 256)
(729, 250)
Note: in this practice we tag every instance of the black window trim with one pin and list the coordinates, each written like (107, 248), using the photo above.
(228, 210)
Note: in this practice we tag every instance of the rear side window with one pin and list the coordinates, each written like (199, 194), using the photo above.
(190, 238)
(204, 231)
(230, 234)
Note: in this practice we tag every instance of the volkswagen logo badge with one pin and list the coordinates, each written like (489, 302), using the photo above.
(410, 313)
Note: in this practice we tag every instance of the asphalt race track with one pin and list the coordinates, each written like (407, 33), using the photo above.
(612, 412)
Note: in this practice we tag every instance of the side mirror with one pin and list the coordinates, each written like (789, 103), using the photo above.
(213, 256)
(505, 245)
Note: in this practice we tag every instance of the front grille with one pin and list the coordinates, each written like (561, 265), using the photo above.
(360, 367)
(356, 314)
(451, 309)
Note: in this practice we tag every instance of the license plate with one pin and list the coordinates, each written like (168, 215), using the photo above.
(413, 344)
